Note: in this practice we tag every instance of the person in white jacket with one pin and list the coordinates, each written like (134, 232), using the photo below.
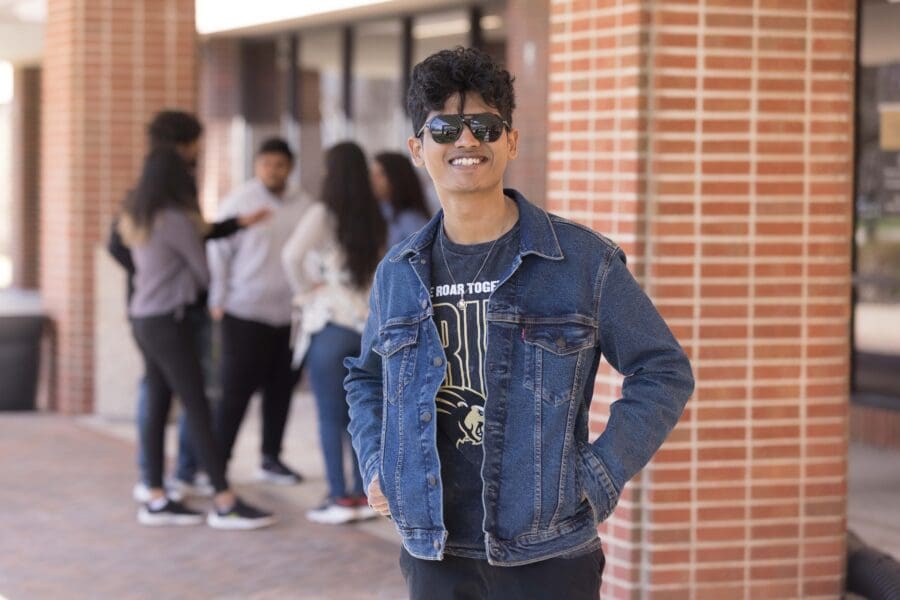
(330, 260)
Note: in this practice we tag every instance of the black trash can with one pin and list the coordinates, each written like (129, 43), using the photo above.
(21, 327)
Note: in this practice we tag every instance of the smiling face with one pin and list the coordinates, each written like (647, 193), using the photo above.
(466, 167)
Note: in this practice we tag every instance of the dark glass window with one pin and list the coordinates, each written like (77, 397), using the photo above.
(876, 342)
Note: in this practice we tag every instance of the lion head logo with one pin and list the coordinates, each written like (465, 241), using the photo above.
(469, 419)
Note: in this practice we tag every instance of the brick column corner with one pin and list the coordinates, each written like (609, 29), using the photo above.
(713, 141)
(107, 68)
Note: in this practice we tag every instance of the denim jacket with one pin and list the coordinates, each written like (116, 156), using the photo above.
(566, 299)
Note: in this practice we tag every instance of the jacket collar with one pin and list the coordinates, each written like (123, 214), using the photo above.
(536, 232)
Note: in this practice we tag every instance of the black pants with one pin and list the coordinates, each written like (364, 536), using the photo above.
(255, 356)
(457, 578)
(172, 366)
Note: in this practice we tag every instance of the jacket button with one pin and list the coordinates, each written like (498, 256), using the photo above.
(424, 303)
(432, 480)
(560, 343)
(421, 261)
(426, 416)
(437, 545)
(438, 361)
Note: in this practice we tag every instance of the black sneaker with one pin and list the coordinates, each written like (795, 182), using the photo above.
(170, 513)
(274, 471)
(240, 516)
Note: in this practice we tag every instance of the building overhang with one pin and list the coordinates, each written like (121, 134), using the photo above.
(262, 17)
(22, 30)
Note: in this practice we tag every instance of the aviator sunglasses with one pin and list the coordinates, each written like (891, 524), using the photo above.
(446, 129)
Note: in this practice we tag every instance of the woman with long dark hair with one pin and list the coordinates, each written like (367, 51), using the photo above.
(400, 195)
(330, 261)
(163, 227)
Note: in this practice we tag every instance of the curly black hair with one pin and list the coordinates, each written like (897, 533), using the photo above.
(458, 71)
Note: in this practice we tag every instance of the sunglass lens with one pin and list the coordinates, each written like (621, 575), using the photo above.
(487, 127)
(445, 129)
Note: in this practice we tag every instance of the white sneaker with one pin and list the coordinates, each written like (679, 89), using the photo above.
(140, 493)
(178, 490)
(274, 471)
(202, 482)
(334, 511)
(365, 512)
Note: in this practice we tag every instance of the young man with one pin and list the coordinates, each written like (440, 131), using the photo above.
(469, 401)
(250, 295)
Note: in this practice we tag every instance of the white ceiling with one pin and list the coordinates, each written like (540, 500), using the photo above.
(22, 30)
(22, 21)
(365, 10)
(22, 25)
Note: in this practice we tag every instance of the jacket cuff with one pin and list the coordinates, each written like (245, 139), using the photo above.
(371, 471)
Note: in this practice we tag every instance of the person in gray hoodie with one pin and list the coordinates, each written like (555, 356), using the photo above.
(251, 298)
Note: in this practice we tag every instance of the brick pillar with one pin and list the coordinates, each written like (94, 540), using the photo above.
(26, 121)
(108, 66)
(526, 57)
(712, 140)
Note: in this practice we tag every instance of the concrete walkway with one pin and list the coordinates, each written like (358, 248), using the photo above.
(873, 508)
(68, 529)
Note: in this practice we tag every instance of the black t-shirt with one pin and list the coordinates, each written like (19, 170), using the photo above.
(461, 398)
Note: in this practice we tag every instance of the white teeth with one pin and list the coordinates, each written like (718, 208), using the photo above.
(465, 162)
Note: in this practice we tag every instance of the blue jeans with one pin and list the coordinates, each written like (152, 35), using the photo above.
(187, 463)
(324, 363)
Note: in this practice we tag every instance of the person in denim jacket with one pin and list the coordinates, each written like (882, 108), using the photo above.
(470, 399)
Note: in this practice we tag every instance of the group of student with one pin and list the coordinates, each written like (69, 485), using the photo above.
(285, 278)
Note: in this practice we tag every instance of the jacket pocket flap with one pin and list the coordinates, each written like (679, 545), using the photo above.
(561, 338)
(396, 337)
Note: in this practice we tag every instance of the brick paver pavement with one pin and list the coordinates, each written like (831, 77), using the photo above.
(68, 530)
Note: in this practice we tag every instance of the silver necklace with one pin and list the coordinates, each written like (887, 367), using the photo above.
(461, 303)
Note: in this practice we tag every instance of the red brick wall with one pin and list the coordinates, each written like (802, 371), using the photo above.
(712, 140)
(528, 38)
(108, 66)
(26, 131)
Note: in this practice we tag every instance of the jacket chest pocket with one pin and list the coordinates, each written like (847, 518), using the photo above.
(556, 358)
(397, 347)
